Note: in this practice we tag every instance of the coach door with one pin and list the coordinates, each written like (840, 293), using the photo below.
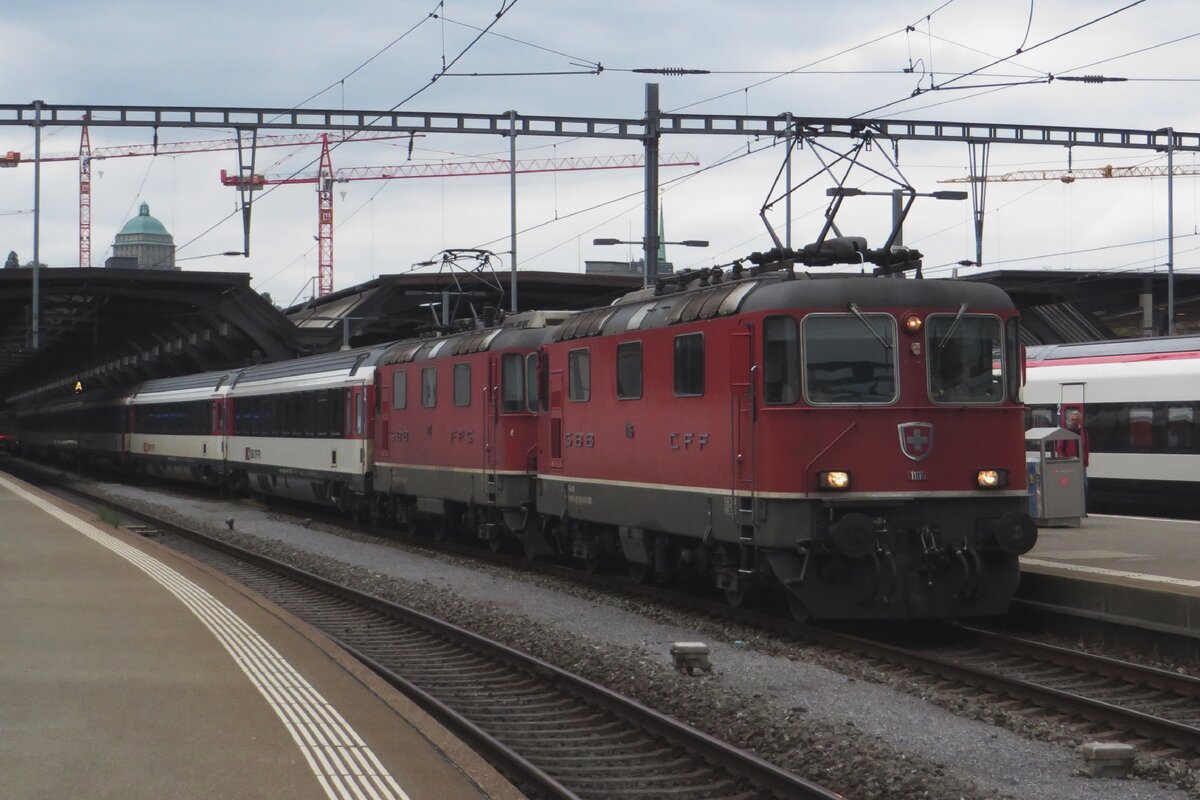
(742, 372)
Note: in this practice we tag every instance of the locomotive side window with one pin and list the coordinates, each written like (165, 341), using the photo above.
(1013, 357)
(579, 371)
(689, 365)
(399, 390)
(512, 383)
(429, 387)
(965, 359)
(781, 360)
(629, 370)
(849, 359)
(533, 391)
(462, 384)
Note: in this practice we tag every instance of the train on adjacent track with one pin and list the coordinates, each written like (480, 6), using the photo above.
(849, 444)
(1137, 402)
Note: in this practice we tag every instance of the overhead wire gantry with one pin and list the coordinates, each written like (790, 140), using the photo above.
(648, 129)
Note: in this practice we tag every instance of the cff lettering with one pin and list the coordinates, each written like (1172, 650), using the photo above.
(685, 441)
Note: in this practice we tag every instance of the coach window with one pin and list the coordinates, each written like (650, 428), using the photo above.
(281, 409)
(579, 372)
(849, 358)
(532, 382)
(360, 412)
(262, 416)
(512, 382)
(321, 413)
(399, 390)
(1181, 427)
(337, 420)
(781, 360)
(429, 387)
(689, 365)
(1039, 417)
(308, 413)
(629, 370)
(1141, 427)
(462, 384)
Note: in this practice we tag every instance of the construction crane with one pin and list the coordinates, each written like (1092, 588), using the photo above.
(1071, 175)
(326, 176)
(87, 155)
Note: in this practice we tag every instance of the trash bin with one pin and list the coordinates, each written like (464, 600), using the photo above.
(1056, 497)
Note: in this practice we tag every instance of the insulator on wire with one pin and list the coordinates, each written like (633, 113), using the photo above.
(670, 71)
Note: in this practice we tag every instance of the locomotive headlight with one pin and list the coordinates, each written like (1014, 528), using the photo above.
(838, 480)
(912, 324)
(991, 478)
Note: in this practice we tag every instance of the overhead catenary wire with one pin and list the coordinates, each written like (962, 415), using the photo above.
(945, 84)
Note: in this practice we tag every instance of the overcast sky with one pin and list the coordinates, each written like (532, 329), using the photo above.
(807, 58)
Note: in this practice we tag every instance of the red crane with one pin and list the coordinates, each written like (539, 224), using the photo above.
(325, 177)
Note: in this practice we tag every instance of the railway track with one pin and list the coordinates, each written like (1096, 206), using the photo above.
(1156, 706)
(555, 734)
(1101, 697)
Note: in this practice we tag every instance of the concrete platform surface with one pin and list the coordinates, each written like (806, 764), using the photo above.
(128, 671)
(1157, 554)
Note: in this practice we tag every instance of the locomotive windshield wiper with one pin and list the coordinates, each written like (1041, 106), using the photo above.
(886, 344)
(957, 319)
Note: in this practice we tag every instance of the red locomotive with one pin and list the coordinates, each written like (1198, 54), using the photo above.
(851, 445)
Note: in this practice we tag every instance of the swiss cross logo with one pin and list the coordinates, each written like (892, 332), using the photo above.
(916, 439)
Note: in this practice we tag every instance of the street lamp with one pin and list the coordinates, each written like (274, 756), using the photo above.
(645, 277)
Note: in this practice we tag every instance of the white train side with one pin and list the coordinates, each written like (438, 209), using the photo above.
(1141, 404)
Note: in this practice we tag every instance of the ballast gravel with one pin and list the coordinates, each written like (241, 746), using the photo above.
(836, 721)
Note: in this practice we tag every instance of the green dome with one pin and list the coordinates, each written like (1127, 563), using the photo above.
(143, 223)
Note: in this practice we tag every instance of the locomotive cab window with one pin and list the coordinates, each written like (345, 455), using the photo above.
(629, 370)
(429, 387)
(965, 358)
(579, 375)
(462, 384)
(849, 358)
(781, 361)
(512, 383)
(689, 365)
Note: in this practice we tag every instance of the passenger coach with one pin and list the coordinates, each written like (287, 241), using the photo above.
(1139, 401)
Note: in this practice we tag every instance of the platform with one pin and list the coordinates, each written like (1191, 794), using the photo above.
(1141, 571)
(132, 672)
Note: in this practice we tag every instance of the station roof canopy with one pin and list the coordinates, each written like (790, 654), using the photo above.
(400, 306)
(111, 328)
(1059, 306)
